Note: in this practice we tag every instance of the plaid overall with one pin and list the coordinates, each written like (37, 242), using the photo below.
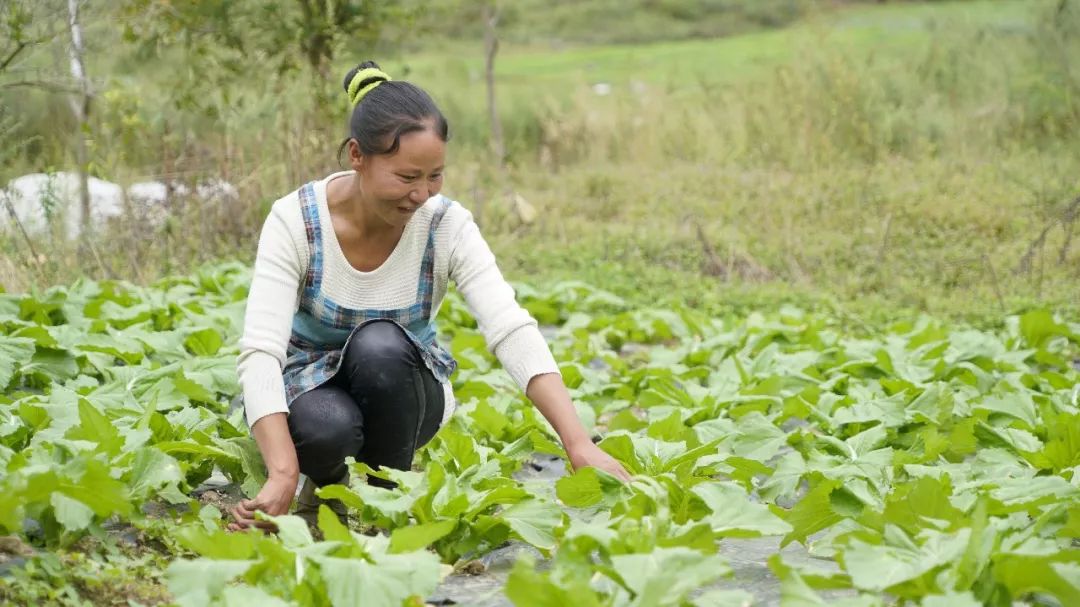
(322, 328)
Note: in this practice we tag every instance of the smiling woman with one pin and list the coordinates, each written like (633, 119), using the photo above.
(339, 355)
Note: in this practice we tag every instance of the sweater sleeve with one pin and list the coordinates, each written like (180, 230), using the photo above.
(271, 304)
(510, 332)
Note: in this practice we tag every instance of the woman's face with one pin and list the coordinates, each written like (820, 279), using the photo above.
(394, 186)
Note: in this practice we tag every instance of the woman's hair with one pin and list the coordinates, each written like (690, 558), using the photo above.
(384, 110)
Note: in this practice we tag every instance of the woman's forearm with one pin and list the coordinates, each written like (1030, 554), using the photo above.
(276, 445)
(549, 394)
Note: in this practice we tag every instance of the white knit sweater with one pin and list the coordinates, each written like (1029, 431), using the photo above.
(461, 255)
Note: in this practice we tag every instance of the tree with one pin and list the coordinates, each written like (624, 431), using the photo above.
(20, 34)
(458, 18)
(80, 107)
(27, 25)
(252, 37)
(490, 15)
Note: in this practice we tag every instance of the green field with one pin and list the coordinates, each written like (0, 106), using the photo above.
(895, 29)
(919, 463)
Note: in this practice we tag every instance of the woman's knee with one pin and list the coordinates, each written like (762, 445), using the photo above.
(381, 339)
(380, 350)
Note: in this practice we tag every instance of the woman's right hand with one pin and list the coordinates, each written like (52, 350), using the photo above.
(272, 435)
(274, 499)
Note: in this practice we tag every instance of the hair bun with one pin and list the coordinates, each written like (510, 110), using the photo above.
(362, 79)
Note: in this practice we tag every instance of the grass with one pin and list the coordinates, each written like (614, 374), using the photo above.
(897, 28)
(890, 160)
(926, 215)
(911, 234)
(600, 22)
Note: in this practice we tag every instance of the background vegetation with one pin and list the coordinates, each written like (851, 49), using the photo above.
(894, 157)
(673, 176)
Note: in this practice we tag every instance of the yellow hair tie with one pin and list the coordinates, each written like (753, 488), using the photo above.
(355, 96)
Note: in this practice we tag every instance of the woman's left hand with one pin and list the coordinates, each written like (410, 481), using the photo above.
(588, 454)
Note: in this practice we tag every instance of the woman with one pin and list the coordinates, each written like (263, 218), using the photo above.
(338, 356)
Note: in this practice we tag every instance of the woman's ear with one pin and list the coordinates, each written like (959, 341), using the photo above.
(356, 157)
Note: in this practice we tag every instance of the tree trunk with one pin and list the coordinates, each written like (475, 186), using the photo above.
(491, 47)
(80, 107)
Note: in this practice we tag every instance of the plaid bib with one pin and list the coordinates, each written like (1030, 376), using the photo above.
(322, 328)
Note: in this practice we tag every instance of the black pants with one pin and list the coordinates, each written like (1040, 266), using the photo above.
(381, 406)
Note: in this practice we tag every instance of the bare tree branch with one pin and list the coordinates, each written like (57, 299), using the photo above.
(29, 25)
(491, 47)
(80, 107)
(1068, 217)
(1068, 222)
(22, 45)
(6, 196)
(45, 85)
(994, 282)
